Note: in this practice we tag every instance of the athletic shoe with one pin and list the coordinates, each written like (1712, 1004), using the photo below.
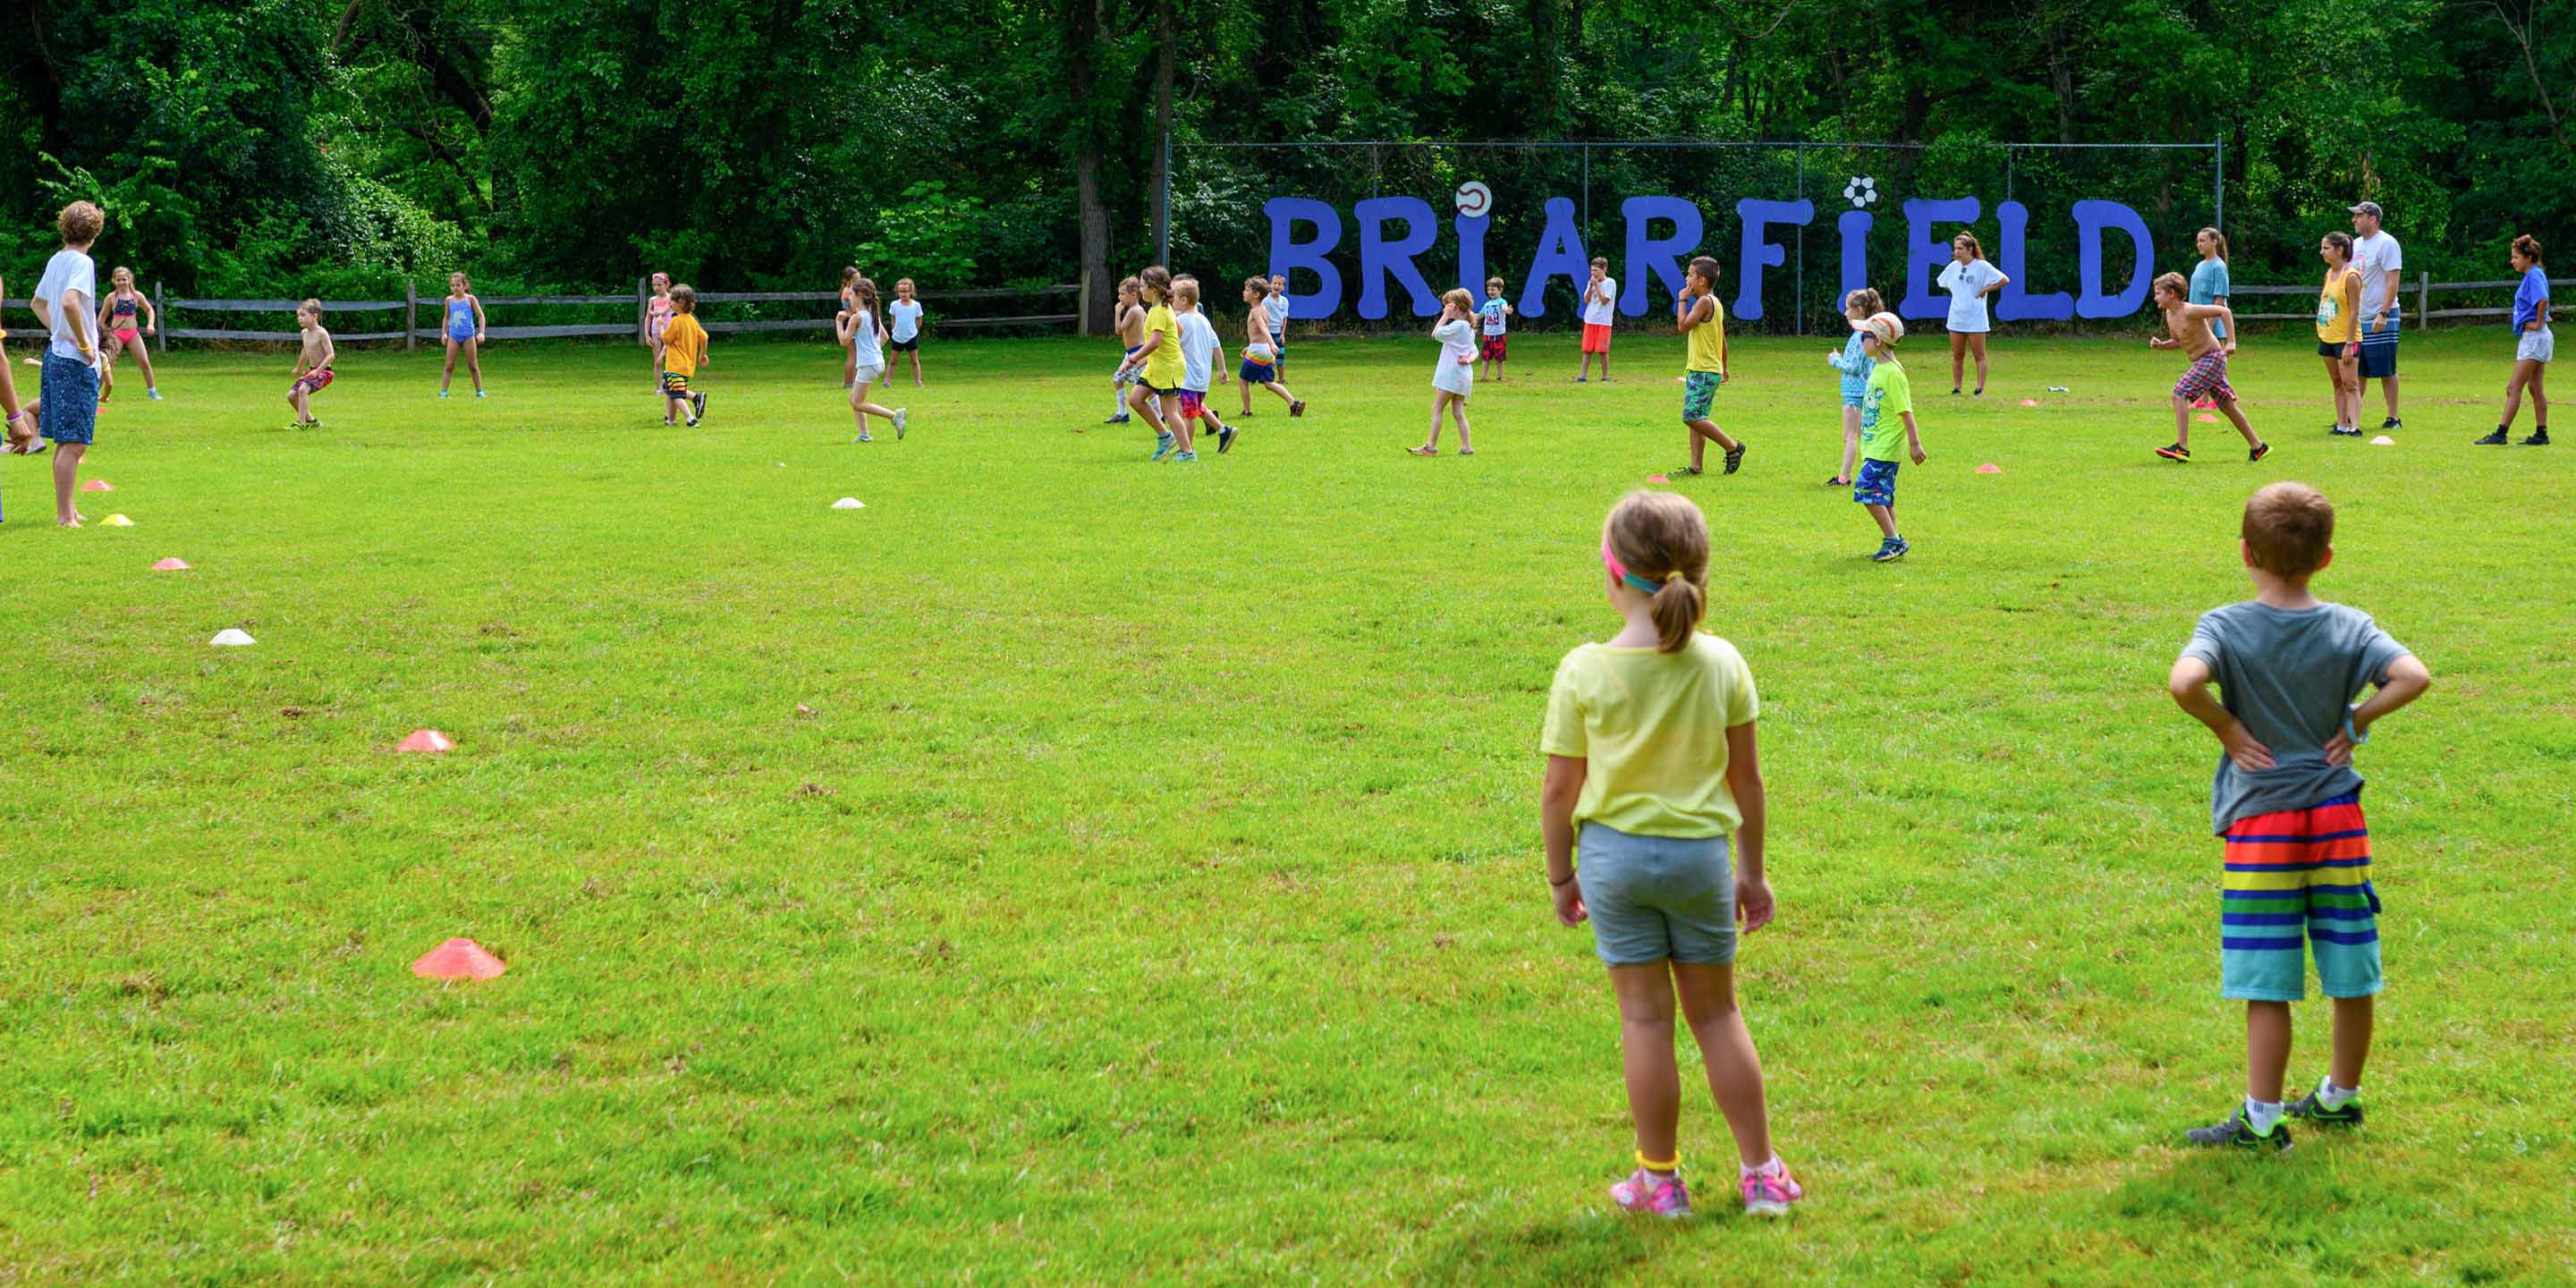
(482, 393)
(153, 394)
(2240, 1133)
(1891, 550)
(1297, 409)
(2258, 451)
(1115, 420)
(1186, 458)
(1771, 1193)
(1581, 379)
(2315, 1111)
(1643, 1194)
(2390, 423)
(698, 406)
(442, 393)
(2497, 439)
(1224, 439)
(2174, 452)
(900, 414)
(2341, 432)
(1164, 444)
(863, 438)
(691, 422)
(2538, 438)
(1837, 482)
(1735, 455)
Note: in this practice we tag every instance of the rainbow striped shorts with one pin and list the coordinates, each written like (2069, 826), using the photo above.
(2299, 878)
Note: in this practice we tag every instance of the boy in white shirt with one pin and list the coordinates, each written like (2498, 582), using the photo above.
(1199, 344)
(66, 301)
(1599, 299)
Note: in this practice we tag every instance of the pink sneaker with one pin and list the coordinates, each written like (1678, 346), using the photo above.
(1771, 1193)
(1642, 1193)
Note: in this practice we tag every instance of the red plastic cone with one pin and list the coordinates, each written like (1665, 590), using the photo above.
(2206, 419)
(1990, 468)
(426, 740)
(458, 959)
(98, 485)
(2029, 402)
(1657, 478)
(171, 565)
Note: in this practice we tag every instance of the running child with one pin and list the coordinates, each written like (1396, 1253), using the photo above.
(313, 358)
(1199, 345)
(1454, 380)
(1274, 307)
(2286, 802)
(2338, 332)
(2209, 285)
(849, 302)
(126, 308)
(1157, 367)
(1702, 323)
(2194, 329)
(657, 319)
(864, 335)
(1651, 768)
(1854, 364)
(903, 330)
(1128, 322)
(66, 301)
(1599, 295)
(1261, 351)
(1496, 312)
(1969, 279)
(2533, 347)
(464, 333)
(1889, 403)
(684, 349)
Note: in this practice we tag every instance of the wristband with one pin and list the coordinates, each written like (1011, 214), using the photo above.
(2352, 735)
(1560, 884)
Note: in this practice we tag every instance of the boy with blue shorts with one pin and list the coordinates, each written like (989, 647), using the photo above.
(1887, 406)
(2287, 802)
(66, 301)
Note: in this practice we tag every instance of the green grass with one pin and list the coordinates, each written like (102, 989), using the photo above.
(1153, 891)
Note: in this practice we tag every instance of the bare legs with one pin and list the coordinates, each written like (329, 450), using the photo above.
(1962, 344)
(1851, 444)
(67, 459)
(2345, 373)
(2526, 376)
(1886, 516)
(861, 408)
(473, 363)
(1977, 346)
(1443, 401)
(1646, 1012)
(2267, 1045)
(1702, 433)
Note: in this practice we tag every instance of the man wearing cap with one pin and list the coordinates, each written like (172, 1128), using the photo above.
(2375, 255)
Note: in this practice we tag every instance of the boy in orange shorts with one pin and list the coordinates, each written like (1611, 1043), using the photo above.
(1600, 296)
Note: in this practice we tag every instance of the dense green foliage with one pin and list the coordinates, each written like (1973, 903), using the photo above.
(287, 145)
(1149, 888)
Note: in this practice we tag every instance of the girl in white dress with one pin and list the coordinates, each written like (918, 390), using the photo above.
(1969, 279)
(1455, 379)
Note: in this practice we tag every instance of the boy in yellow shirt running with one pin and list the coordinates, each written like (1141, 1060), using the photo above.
(1160, 364)
(684, 349)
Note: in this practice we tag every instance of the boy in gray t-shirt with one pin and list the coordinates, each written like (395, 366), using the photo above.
(2288, 802)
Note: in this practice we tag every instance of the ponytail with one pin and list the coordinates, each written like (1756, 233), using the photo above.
(1677, 609)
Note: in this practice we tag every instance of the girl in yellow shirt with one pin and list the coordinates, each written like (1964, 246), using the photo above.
(2338, 312)
(1650, 769)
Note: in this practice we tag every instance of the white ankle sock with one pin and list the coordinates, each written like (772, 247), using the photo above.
(1772, 1168)
(2332, 1096)
(2262, 1114)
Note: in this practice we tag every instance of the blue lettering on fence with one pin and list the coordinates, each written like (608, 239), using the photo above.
(1758, 252)
(2013, 303)
(1287, 254)
(1657, 257)
(1380, 257)
(2091, 217)
(1924, 255)
(1854, 226)
(1471, 252)
(1560, 254)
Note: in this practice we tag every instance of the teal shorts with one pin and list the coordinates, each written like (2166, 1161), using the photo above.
(1656, 898)
(1699, 393)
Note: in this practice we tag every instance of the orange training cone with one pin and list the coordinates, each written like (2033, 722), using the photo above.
(1990, 468)
(458, 959)
(171, 565)
(98, 485)
(2206, 419)
(2029, 402)
(426, 740)
(1657, 478)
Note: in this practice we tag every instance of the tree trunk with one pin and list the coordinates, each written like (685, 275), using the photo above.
(1164, 38)
(1081, 53)
(1547, 42)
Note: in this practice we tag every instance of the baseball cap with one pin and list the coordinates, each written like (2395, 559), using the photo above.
(1888, 327)
(2370, 208)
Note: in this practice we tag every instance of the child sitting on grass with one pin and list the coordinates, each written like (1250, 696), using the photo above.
(2287, 802)
(1651, 767)
(312, 365)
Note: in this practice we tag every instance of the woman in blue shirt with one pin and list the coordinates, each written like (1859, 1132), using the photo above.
(2533, 347)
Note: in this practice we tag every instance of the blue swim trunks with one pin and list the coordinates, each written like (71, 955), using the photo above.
(1876, 484)
(69, 413)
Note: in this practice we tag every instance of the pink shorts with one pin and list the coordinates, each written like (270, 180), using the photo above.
(1193, 404)
(1596, 337)
(314, 381)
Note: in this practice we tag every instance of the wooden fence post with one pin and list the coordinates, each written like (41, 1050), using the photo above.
(1082, 307)
(411, 314)
(2424, 299)
(643, 309)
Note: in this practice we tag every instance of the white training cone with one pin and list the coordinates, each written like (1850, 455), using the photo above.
(231, 638)
(849, 503)
(2383, 441)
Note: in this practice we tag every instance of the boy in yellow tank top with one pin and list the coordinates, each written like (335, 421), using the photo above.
(1702, 322)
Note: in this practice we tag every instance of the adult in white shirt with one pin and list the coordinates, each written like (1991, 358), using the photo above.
(2377, 257)
(1969, 278)
(1599, 295)
(66, 301)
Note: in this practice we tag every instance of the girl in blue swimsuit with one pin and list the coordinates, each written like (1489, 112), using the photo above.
(464, 331)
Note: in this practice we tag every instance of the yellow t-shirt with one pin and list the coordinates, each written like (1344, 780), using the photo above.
(1707, 342)
(684, 343)
(1164, 367)
(1651, 728)
(2338, 307)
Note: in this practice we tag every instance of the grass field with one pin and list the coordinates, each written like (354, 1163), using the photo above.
(1153, 891)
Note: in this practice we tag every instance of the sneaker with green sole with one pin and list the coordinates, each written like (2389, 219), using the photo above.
(2240, 1133)
(2312, 1108)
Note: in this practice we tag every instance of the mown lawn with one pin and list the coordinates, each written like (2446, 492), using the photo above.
(1072, 870)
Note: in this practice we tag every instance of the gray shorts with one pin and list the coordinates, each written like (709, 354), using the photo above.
(1652, 898)
(2535, 346)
